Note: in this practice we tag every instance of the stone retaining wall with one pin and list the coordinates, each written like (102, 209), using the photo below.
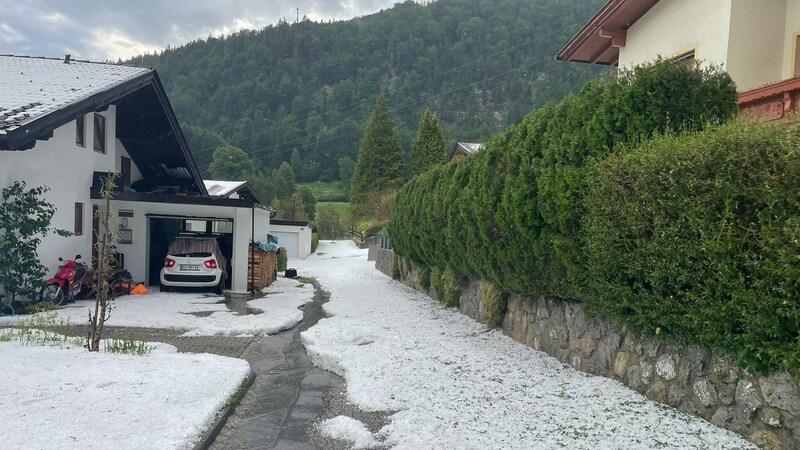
(766, 410)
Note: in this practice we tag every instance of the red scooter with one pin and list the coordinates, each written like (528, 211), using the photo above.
(72, 280)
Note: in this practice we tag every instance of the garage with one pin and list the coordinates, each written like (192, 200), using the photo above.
(294, 236)
(164, 229)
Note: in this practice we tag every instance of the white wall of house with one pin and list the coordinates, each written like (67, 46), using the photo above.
(755, 41)
(66, 169)
(296, 240)
(791, 52)
(755, 49)
(137, 254)
(674, 26)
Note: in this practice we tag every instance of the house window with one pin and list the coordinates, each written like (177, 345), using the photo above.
(126, 173)
(80, 131)
(687, 57)
(78, 219)
(99, 133)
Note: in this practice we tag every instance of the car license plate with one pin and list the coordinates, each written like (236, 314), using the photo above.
(194, 267)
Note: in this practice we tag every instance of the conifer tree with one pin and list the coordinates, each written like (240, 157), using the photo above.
(427, 150)
(380, 156)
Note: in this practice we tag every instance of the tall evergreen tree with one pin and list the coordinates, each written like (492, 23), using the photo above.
(283, 179)
(380, 156)
(427, 150)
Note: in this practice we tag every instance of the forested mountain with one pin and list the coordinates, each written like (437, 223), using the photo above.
(309, 86)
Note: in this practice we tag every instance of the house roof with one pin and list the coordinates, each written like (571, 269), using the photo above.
(39, 95)
(467, 147)
(290, 223)
(218, 188)
(36, 87)
(600, 39)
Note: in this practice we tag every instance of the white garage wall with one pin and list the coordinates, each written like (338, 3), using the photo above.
(303, 248)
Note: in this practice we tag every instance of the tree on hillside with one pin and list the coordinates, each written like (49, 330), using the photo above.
(309, 202)
(380, 156)
(231, 163)
(427, 149)
(283, 178)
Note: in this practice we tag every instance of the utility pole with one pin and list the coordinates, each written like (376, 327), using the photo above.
(298, 16)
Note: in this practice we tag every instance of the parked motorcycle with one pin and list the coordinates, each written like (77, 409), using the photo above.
(73, 280)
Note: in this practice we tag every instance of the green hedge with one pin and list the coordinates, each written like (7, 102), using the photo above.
(699, 235)
(511, 213)
(314, 241)
(560, 206)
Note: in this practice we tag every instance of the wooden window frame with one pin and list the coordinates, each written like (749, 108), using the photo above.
(99, 133)
(80, 131)
(78, 228)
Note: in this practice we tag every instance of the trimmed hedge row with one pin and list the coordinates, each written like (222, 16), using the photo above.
(699, 235)
(694, 234)
(511, 213)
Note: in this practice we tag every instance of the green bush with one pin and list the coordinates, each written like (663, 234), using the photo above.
(283, 258)
(396, 275)
(493, 303)
(437, 283)
(451, 285)
(511, 213)
(700, 235)
(314, 242)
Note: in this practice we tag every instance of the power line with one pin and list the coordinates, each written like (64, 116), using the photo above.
(406, 86)
(394, 110)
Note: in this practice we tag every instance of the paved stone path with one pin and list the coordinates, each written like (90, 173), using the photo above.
(287, 395)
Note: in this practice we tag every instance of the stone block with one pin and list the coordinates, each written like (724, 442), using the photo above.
(651, 349)
(766, 439)
(647, 371)
(575, 361)
(665, 367)
(705, 392)
(621, 364)
(675, 394)
(699, 360)
(727, 394)
(634, 378)
(725, 370)
(771, 417)
(657, 392)
(723, 417)
(747, 399)
(781, 391)
(631, 345)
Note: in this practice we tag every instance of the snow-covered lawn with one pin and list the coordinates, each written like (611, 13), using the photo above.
(455, 385)
(179, 311)
(56, 398)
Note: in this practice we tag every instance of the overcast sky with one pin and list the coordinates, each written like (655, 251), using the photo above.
(109, 29)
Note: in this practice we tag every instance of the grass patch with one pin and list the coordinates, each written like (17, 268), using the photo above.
(326, 192)
(339, 207)
(127, 346)
(238, 393)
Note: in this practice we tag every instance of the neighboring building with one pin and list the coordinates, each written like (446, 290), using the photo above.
(65, 123)
(230, 189)
(463, 149)
(757, 42)
(294, 236)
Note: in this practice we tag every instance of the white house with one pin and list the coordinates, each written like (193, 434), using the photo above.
(65, 123)
(294, 236)
(757, 42)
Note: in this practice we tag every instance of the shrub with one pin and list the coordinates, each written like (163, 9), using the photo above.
(283, 258)
(699, 235)
(493, 303)
(396, 266)
(451, 285)
(437, 283)
(424, 277)
(314, 242)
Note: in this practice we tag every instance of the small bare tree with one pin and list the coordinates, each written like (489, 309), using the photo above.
(106, 240)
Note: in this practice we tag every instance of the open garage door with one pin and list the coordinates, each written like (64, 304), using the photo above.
(164, 229)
